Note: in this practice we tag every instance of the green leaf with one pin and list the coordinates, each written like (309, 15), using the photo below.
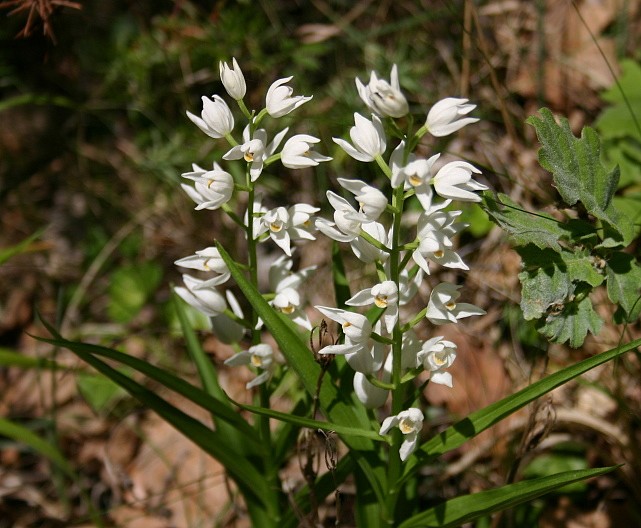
(312, 424)
(27, 437)
(130, 288)
(99, 391)
(335, 408)
(222, 410)
(249, 479)
(21, 247)
(459, 510)
(549, 464)
(573, 323)
(550, 279)
(11, 358)
(577, 170)
(477, 422)
(525, 227)
(624, 283)
(629, 83)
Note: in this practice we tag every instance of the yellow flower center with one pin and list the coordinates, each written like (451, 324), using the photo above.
(256, 361)
(287, 310)
(406, 426)
(206, 265)
(414, 180)
(276, 227)
(248, 156)
(380, 301)
(450, 305)
(439, 253)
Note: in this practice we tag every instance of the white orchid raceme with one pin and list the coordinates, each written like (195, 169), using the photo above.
(410, 422)
(258, 356)
(211, 189)
(285, 225)
(216, 118)
(233, 79)
(347, 220)
(207, 259)
(368, 138)
(202, 295)
(417, 175)
(371, 201)
(297, 152)
(255, 150)
(383, 295)
(448, 116)
(285, 283)
(436, 355)
(442, 307)
(454, 181)
(382, 97)
(279, 100)
(362, 353)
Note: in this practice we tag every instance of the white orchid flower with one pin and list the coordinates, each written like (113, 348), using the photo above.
(284, 225)
(365, 251)
(410, 422)
(368, 394)
(371, 201)
(383, 295)
(258, 356)
(202, 295)
(382, 97)
(436, 355)
(284, 283)
(417, 175)
(454, 181)
(347, 221)
(211, 189)
(224, 327)
(442, 307)
(233, 79)
(297, 152)
(448, 116)
(207, 259)
(368, 138)
(362, 353)
(255, 150)
(279, 100)
(216, 118)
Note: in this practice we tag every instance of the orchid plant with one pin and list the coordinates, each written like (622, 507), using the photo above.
(365, 382)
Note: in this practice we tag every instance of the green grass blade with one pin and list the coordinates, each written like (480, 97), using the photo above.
(250, 481)
(313, 424)
(11, 358)
(459, 510)
(27, 437)
(300, 359)
(20, 247)
(481, 420)
(171, 382)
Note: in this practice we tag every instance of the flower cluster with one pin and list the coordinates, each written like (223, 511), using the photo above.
(383, 348)
(284, 225)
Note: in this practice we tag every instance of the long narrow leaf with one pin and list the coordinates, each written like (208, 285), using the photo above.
(466, 508)
(27, 437)
(11, 358)
(246, 476)
(209, 379)
(312, 424)
(168, 380)
(481, 420)
(335, 408)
